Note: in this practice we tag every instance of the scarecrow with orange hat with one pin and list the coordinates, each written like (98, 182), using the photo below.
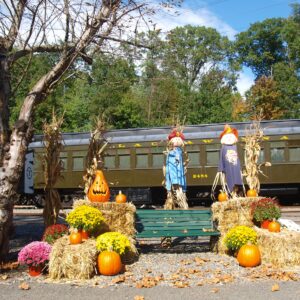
(229, 163)
(174, 171)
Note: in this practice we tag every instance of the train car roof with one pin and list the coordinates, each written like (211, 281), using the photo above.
(191, 132)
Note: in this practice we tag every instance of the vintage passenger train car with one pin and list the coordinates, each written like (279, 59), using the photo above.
(134, 159)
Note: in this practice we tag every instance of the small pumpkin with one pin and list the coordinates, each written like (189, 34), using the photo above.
(265, 224)
(121, 198)
(109, 263)
(75, 237)
(249, 256)
(99, 190)
(222, 196)
(274, 226)
(251, 193)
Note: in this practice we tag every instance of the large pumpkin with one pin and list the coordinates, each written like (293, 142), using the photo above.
(249, 256)
(99, 190)
(109, 263)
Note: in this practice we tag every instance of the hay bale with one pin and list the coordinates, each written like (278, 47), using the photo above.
(229, 214)
(118, 216)
(279, 249)
(72, 261)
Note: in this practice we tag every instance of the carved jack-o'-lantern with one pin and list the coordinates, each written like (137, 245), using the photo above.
(99, 190)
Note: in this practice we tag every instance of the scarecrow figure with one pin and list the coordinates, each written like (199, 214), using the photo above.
(175, 169)
(229, 163)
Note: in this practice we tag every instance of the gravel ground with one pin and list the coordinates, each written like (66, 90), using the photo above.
(187, 266)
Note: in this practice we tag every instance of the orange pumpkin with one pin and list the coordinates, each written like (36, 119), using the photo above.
(251, 193)
(249, 256)
(109, 263)
(222, 196)
(99, 190)
(121, 198)
(274, 226)
(75, 237)
(265, 224)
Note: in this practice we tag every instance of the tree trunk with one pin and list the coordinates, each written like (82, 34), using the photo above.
(12, 161)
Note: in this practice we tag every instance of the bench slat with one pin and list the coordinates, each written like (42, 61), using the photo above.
(174, 223)
(176, 233)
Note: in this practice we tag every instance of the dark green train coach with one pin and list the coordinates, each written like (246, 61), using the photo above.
(134, 159)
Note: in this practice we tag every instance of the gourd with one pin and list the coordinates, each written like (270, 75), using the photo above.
(99, 190)
(251, 193)
(274, 226)
(75, 238)
(109, 263)
(222, 196)
(249, 256)
(121, 198)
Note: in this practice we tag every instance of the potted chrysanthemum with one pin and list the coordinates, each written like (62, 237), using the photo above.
(35, 255)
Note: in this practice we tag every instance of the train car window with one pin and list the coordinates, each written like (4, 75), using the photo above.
(78, 163)
(142, 150)
(123, 151)
(64, 158)
(142, 160)
(109, 162)
(277, 152)
(294, 154)
(158, 149)
(261, 157)
(194, 158)
(212, 154)
(124, 161)
(158, 160)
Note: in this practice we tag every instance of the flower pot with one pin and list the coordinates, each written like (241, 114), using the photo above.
(84, 234)
(264, 224)
(35, 270)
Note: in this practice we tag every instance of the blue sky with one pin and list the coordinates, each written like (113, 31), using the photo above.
(229, 17)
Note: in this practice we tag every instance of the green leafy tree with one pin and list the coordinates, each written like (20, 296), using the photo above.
(261, 46)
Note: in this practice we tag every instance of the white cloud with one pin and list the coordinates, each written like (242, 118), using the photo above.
(201, 17)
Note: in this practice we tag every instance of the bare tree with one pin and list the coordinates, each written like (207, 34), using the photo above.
(71, 28)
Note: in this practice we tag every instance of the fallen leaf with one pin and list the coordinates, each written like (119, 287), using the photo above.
(118, 279)
(215, 290)
(181, 284)
(139, 297)
(4, 277)
(275, 288)
(24, 286)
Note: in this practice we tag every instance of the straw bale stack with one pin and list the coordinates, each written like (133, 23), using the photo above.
(229, 214)
(79, 261)
(279, 248)
(118, 216)
(72, 261)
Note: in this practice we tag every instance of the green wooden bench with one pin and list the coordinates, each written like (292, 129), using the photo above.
(174, 223)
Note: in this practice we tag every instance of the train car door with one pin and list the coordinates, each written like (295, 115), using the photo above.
(28, 173)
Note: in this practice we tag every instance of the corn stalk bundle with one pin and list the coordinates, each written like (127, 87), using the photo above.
(52, 167)
(253, 138)
(94, 158)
